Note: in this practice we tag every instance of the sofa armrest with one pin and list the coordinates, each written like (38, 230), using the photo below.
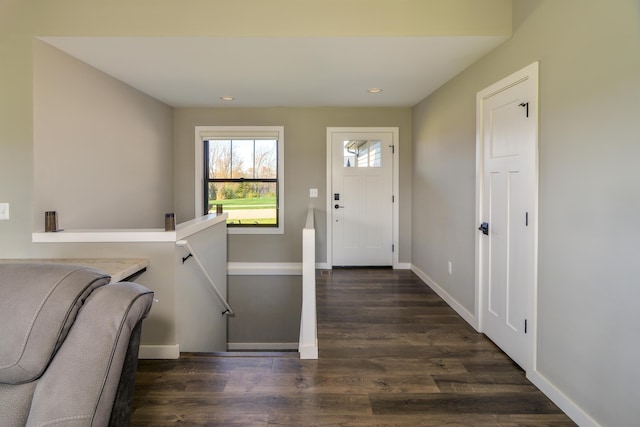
(79, 386)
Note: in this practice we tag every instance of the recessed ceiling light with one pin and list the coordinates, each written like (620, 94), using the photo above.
(374, 90)
(227, 98)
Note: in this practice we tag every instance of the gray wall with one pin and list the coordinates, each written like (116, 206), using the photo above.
(102, 151)
(21, 21)
(305, 134)
(267, 310)
(589, 148)
(199, 320)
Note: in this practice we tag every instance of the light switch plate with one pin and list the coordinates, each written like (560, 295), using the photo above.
(4, 210)
(313, 192)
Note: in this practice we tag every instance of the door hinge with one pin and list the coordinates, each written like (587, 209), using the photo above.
(393, 248)
(525, 326)
(393, 199)
(393, 149)
(526, 219)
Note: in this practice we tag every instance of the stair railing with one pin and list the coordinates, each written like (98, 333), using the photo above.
(185, 243)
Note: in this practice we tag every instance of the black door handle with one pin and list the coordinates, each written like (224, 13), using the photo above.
(484, 227)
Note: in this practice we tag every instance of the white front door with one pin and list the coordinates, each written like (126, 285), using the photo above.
(361, 197)
(507, 246)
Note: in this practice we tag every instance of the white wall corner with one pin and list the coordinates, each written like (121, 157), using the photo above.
(453, 303)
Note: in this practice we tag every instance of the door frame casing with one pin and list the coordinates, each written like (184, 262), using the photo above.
(395, 229)
(529, 72)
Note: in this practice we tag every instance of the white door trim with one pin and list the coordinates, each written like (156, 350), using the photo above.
(529, 72)
(396, 187)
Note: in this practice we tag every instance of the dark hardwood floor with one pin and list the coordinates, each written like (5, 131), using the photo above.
(392, 353)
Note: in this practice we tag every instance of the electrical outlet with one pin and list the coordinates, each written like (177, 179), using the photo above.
(4, 210)
(313, 192)
(450, 267)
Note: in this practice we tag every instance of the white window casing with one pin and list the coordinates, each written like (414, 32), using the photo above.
(203, 133)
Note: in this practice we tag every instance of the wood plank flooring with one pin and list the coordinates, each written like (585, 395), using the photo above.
(392, 353)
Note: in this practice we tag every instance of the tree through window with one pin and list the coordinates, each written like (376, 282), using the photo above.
(242, 175)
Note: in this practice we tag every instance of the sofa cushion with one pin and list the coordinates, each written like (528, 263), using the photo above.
(38, 305)
(80, 384)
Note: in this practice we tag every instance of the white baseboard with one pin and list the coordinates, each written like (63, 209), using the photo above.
(273, 268)
(399, 266)
(459, 308)
(159, 352)
(561, 400)
(262, 346)
(276, 268)
(264, 269)
(572, 410)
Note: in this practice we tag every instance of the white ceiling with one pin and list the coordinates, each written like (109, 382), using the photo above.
(281, 72)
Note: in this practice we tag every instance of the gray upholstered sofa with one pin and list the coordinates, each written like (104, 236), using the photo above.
(68, 345)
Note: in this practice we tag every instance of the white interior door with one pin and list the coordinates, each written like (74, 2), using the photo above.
(507, 246)
(362, 198)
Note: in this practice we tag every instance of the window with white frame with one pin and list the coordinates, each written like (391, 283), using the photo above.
(241, 173)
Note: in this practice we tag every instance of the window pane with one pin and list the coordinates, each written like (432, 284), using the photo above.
(266, 159)
(219, 159)
(242, 158)
(375, 154)
(247, 203)
(362, 154)
(349, 155)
